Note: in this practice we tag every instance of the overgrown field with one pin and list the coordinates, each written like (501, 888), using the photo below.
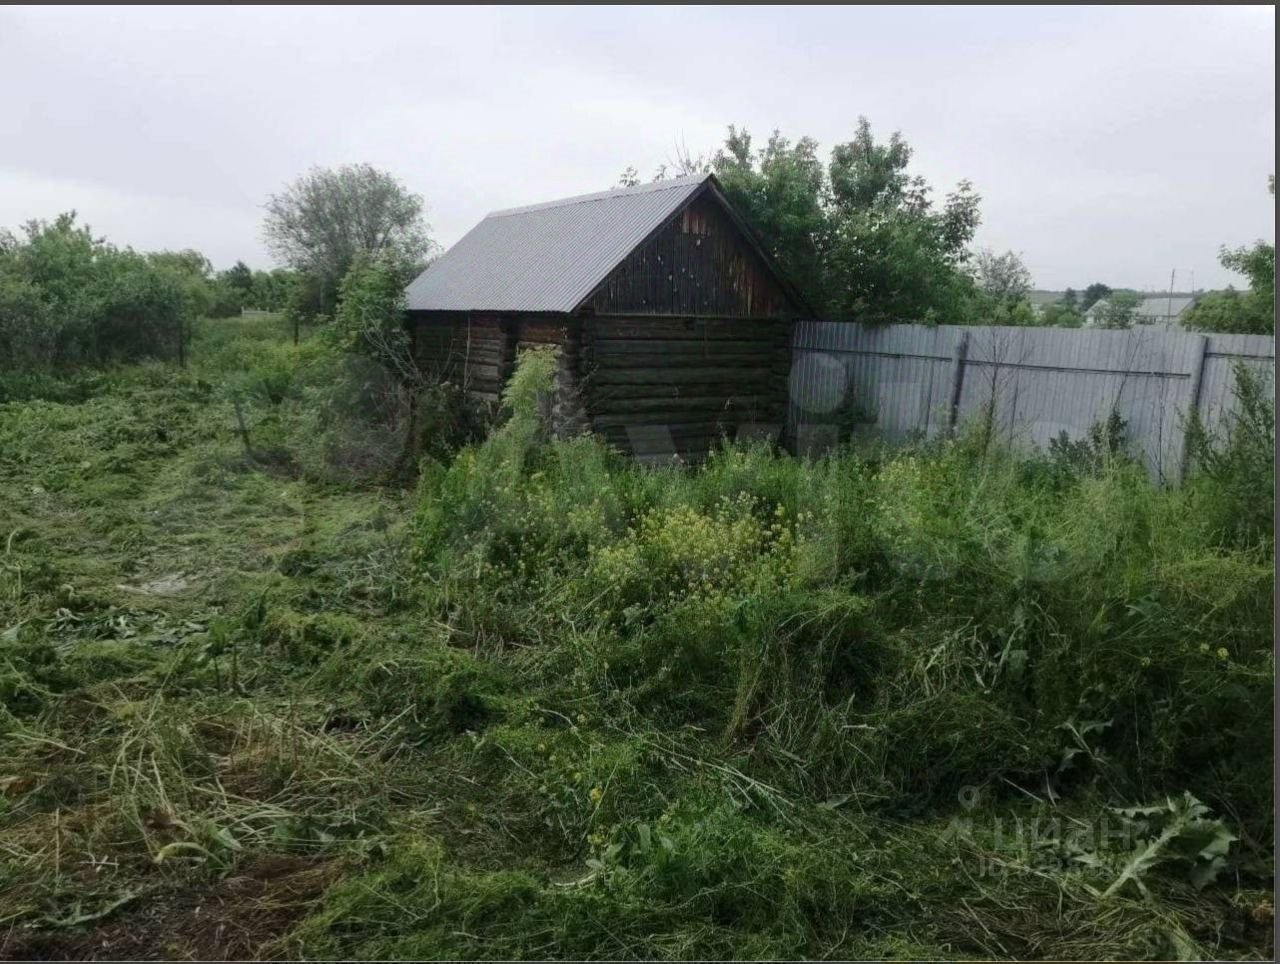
(935, 703)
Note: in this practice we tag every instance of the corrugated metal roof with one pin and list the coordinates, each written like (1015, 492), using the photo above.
(1162, 306)
(547, 257)
(1151, 309)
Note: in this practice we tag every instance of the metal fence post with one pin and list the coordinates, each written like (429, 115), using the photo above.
(957, 379)
(1193, 403)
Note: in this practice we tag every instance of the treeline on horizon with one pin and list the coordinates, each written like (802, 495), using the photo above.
(69, 297)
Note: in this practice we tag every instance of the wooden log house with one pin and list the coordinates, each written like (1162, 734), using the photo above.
(672, 323)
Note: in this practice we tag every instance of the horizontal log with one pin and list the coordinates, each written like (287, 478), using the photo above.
(477, 345)
(730, 422)
(477, 329)
(536, 338)
(472, 360)
(690, 403)
(676, 360)
(683, 433)
(488, 327)
(614, 396)
(443, 350)
(677, 430)
(700, 408)
(681, 376)
(678, 417)
(668, 342)
(710, 348)
(776, 388)
(613, 425)
(434, 351)
(678, 329)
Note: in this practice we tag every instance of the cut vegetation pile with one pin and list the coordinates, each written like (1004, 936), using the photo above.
(942, 702)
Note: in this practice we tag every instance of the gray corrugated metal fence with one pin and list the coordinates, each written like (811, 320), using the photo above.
(905, 381)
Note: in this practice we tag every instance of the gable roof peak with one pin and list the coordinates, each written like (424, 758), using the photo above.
(548, 257)
(670, 184)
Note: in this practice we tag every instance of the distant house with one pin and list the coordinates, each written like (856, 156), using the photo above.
(1166, 311)
(672, 322)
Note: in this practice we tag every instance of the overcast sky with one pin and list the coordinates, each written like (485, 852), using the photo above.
(1110, 144)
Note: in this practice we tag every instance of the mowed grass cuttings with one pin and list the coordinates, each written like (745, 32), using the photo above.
(942, 702)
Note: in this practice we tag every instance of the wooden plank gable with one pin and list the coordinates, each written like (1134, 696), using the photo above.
(698, 264)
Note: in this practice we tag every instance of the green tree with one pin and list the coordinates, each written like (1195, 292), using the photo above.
(1060, 314)
(1119, 310)
(52, 277)
(326, 219)
(1254, 311)
(1229, 312)
(147, 304)
(192, 272)
(188, 262)
(1093, 294)
(67, 297)
(271, 290)
(30, 334)
(232, 290)
(893, 255)
(63, 259)
(381, 381)
(859, 235)
(239, 277)
(1002, 277)
(371, 313)
(306, 303)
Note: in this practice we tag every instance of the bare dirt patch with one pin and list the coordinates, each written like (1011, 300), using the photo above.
(230, 920)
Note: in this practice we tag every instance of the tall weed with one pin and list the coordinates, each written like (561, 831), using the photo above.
(912, 623)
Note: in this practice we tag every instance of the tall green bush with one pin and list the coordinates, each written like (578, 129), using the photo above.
(67, 297)
(1236, 469)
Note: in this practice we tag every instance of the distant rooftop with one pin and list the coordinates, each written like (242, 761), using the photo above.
(1152, 309)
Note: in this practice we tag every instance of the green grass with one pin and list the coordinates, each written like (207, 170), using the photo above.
(550, 704)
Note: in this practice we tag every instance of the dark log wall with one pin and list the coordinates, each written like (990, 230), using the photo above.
(661, 386)
(473, 349)
(534, 331)
(698, 265)
(654, 387)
